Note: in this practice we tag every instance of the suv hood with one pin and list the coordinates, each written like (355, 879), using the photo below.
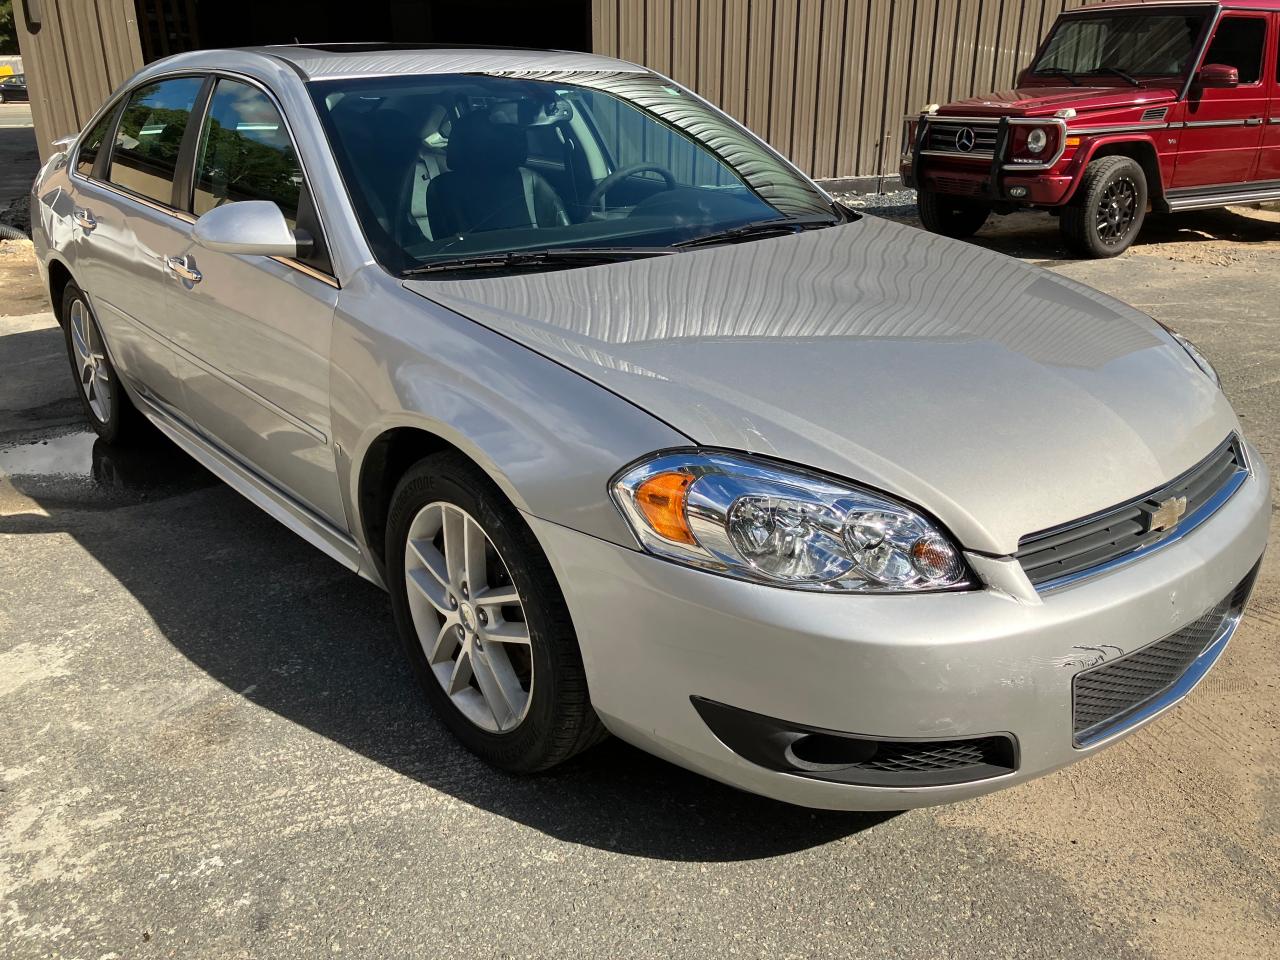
(1040, 101)
(999, 397)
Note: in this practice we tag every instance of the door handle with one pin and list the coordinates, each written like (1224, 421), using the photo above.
(84, 218)
(184, 270)
(1253, 122)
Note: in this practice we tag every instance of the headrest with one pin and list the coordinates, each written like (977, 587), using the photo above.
(476, 143)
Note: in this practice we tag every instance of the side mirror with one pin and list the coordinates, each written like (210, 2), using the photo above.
(1218, 75)
(249, 227)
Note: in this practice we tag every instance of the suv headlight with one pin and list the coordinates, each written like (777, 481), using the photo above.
(755, 520)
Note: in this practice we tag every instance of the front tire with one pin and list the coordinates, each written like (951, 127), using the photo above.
(951, 216)
(102, 396)
(1109, 210)
(483, 621)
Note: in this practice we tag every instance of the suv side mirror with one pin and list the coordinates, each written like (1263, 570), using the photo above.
(249, 227)
(1218, 75)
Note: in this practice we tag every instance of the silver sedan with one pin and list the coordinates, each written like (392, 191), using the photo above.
(645, 434)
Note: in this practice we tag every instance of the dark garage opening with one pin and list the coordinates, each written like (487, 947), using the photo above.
(172, 26)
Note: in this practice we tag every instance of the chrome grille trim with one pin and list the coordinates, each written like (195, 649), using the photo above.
(1064, 555)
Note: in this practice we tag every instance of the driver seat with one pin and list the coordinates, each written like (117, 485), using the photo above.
(487, 187)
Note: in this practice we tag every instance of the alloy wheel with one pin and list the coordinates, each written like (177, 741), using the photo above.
(91, 361)
(1117, 210)
(468, 617)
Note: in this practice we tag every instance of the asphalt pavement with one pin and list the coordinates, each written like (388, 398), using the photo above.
(212, 748)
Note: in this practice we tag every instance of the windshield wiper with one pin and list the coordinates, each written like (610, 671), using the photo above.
(1058, 72)
(1116, 71)
(760, 228)
(552, 256)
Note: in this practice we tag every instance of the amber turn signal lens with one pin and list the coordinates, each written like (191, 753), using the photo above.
(1073, 141)
(661, 499)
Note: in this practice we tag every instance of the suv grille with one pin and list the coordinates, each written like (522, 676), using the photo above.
(1104, 696)
(942, 138)
(1064, 553)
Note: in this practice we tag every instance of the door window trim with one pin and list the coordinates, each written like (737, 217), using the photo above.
(184, 173)
(1241, 14)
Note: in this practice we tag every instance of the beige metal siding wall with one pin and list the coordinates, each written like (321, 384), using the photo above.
(827, 82)
(83, 50)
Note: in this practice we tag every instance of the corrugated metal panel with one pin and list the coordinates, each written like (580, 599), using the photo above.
(82, 51)
(828, 81)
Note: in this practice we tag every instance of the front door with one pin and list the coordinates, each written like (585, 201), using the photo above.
(1223, 127)
(254, 331)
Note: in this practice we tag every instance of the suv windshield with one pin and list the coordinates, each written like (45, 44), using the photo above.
(452, 167)
(1110, 45)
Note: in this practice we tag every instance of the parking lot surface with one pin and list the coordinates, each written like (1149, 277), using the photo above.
(212, 748)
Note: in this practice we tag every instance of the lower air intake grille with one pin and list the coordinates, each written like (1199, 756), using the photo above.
(1105, 696)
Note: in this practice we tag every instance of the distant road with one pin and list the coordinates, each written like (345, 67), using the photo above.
(15, 115)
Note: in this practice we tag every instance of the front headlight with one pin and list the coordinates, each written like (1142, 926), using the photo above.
(1037, 140)
(1200, 360)
(755, 520)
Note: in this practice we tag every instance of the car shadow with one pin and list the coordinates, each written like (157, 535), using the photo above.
(279, 624)
(1034, 236)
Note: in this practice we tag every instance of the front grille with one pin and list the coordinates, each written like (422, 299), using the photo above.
(941, 136)
(958, 186)
(1105, 696)
(1069, 551)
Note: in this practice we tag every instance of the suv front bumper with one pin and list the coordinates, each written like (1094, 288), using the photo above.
(658, 638)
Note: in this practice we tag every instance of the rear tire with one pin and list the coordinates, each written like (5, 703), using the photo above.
(951, 216)
(102, 396)
(1109, 209)
(521, 703)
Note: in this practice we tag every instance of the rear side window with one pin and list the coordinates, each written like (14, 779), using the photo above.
(1238, 43)
(92, 143)
(149, 136)
(245, 153)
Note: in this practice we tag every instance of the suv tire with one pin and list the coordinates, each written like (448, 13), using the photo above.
(951, 216)
(547, 716)
(1109, 208)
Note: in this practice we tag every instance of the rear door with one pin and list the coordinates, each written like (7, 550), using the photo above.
(254, 331)
(125, 221)
(1223, 127)
(1269, 155)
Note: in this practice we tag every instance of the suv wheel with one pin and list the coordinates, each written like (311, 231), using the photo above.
(106, 405)
(483, 621)
(1109, 209)
(951, 216)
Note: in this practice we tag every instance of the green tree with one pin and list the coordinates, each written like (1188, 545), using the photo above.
(8, 29)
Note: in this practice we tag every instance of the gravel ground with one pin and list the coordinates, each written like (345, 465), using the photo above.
(212, 748)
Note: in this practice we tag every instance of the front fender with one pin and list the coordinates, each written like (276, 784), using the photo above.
(550, 438)
(1096, 145)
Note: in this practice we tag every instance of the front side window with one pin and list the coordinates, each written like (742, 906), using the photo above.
(92, 143)
(1238, 43)
(449, 165)
(1136, 44)
(245, 153)
(149, 137)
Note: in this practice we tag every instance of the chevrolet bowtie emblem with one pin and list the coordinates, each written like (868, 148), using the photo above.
(1167, 514)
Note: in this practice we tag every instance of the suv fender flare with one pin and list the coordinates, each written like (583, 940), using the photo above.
(1142, 148)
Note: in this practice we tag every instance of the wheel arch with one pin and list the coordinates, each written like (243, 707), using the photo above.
(1140, 149)
(59, 277)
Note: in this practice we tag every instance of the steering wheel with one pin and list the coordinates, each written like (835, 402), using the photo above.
(615, 178)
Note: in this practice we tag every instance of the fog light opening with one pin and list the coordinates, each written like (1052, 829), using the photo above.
(1018, 193)
(821, 751)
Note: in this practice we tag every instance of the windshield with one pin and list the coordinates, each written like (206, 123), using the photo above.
(1144, 44)
(442, 167)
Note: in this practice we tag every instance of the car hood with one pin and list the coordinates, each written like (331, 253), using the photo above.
(1033, 101)
(1000, 397)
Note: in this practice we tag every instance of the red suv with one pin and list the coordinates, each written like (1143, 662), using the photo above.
(1127, 107)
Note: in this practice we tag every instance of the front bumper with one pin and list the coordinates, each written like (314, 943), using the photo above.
(932, 666)
(1043, 189)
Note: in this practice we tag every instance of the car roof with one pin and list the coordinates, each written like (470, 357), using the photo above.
(1226, 4)
(327, 61)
